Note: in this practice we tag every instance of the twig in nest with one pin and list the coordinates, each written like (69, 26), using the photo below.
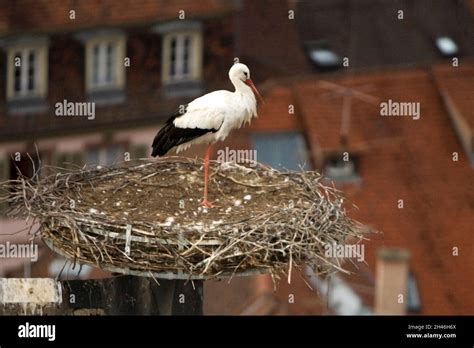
(266, 220)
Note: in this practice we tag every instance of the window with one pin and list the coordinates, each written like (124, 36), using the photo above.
(281, 150)
(105, 65)
(104, 60)
(27, 69)
(181, 51)
(322, 55)
(181, 57)
(24, 77)
(413, 295)
(446, 46)
(138, 151)
(105, 156)
(341, 167)
(69, 160)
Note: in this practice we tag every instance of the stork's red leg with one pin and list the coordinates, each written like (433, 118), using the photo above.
(205, 202)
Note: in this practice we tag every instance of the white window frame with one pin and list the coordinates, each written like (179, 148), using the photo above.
(194, 56)
(178, 30)
(102, 40)
(40, 89)
(104, 76)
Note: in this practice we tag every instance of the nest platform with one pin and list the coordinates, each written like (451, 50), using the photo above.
(144, 218)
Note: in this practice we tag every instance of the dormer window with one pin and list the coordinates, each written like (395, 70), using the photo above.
(322, 56)
(27, 74)
(105, 65)
(446, 46)
(341, 168)
(181, 57)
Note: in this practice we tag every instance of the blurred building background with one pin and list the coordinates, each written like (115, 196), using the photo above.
(324, 68)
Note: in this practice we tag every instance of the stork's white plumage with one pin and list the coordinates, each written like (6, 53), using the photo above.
(210, 118)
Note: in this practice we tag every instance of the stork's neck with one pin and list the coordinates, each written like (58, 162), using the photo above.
(240, 87)
(245, 95)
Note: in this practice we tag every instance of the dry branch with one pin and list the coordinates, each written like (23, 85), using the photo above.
(264, 220)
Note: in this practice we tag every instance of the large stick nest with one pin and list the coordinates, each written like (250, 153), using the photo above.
(145, 218)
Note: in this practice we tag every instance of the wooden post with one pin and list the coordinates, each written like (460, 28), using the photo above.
(132, 295)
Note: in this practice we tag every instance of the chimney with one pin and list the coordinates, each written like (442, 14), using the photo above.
(264, 303)
(263, 285)
(391, 281)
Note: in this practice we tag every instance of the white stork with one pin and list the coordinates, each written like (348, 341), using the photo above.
(209, 119)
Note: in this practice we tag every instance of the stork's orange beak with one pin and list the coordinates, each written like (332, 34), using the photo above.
(249, 83)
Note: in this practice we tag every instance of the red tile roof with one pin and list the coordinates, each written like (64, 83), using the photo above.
(51, 15)
(457, 83)
(410, 160)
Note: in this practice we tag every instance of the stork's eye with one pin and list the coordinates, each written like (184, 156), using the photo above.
(246, 74)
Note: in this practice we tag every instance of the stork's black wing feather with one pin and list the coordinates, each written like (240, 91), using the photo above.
(170, 136)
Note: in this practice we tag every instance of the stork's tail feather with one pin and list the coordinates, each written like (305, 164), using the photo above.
(170, 136)
(162, 142)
